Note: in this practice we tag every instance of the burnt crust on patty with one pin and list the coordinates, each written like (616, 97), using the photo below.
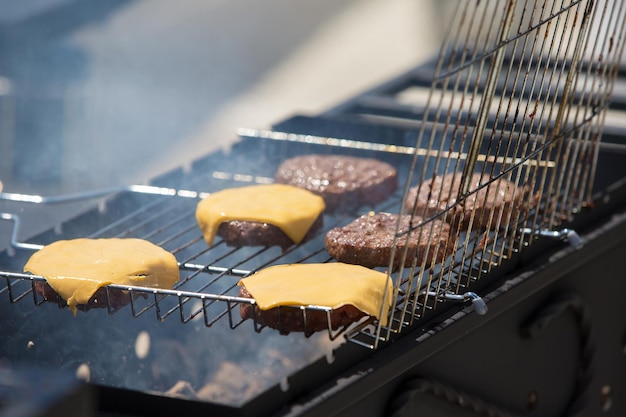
(369, 241)
(501, 196)
(344, 182)
(247, 233)
(292, 319)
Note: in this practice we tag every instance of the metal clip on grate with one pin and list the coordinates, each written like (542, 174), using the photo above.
(566, 235)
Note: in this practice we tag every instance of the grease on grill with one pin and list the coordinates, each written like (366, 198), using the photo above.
(77, 270)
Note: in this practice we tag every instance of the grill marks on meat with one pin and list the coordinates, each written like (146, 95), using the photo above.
(344, 182)
(246, 233)
(369, 240)
(294, 319)
(501, 196)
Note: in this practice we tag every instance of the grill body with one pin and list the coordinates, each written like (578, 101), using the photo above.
(552, 342)
(451, 356)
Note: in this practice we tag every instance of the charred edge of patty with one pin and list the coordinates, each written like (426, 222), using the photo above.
(246, 233)
(117, 298)
(290, 319)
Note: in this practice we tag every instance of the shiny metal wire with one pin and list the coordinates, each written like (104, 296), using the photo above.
(522, 98)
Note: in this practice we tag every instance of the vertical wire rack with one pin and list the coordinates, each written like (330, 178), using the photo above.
(516, 107)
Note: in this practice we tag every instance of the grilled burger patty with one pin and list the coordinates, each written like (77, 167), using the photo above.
(368, 241)
(77, 270)
(436, 195)
(117, 298)
(292, 319)
(247, 233)
(344, 182)
(260, 215)
(285, 296)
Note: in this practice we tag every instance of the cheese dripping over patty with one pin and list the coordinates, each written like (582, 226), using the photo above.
(328, 284)
(293, 210)
(77, 268)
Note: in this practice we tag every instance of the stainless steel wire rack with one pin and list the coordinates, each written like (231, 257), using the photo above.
(520, 92)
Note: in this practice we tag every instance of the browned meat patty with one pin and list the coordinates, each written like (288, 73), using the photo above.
(292, 319)
(246, 233)
(344, 182)
(442, 192)
(117, 298)
(368, 241)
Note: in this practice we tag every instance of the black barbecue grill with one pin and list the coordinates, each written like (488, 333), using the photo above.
(524, 318)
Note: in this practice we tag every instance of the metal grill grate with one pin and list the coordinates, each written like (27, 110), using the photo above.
(166, 216)
(523, 100)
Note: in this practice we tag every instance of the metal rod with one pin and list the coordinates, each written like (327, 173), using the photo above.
(487, 97)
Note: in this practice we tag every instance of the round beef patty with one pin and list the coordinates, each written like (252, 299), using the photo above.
(368, 241)
(117, 298)
(436, 195)
(292, 319)
(246, 233)
(344, 182)
(77, 270)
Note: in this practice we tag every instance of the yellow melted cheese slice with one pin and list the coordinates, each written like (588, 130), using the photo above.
(76, 268)
(329, 284)
(292, 209)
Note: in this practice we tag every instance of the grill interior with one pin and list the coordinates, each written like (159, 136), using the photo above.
(526, 100)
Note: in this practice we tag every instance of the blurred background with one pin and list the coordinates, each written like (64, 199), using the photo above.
(108, 93)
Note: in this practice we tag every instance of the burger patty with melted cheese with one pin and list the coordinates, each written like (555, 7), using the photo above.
(260, 215)
(350, 291)
(75, 269)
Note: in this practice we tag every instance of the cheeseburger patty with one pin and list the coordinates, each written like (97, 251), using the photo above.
(292, 319)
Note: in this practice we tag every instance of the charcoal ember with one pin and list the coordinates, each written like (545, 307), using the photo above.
(182, 389)
(234, 380)
(230, 383)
